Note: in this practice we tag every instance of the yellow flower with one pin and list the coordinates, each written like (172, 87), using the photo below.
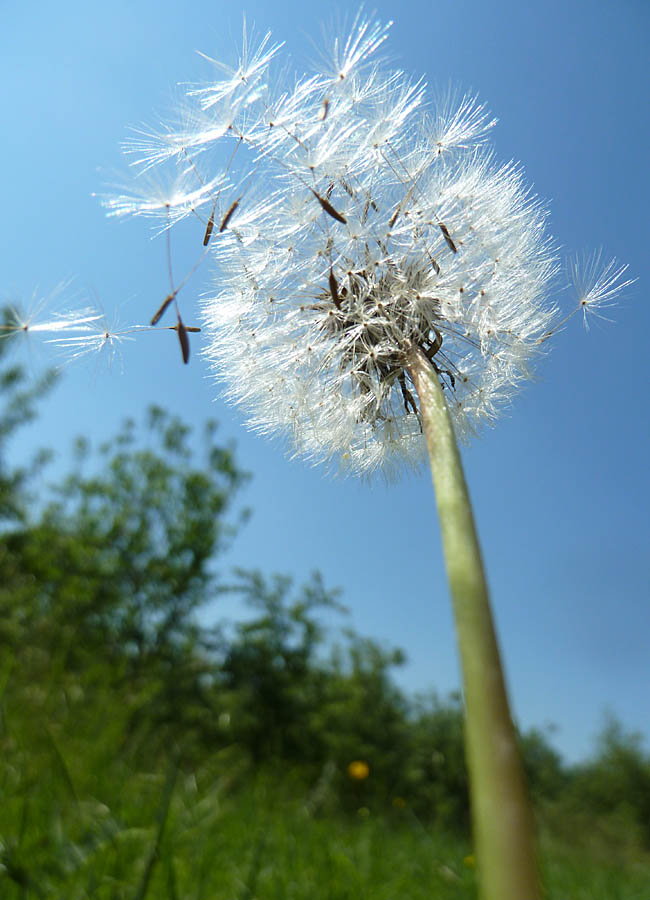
(358, 769)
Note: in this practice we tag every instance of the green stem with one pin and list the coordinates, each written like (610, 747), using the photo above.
(501, 816)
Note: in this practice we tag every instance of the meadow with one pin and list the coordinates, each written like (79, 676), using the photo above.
(75, 826)
(144, 754)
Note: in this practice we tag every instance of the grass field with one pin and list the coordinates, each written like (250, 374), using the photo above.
(73, 831)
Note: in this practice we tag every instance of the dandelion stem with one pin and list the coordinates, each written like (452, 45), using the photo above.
(502, 820)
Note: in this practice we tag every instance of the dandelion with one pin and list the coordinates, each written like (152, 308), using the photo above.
(382, 285)
(358, 770)
(365, 229)
(374, 231)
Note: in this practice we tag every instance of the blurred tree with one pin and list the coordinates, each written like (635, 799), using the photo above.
(438, 774)
(363, 716)
(615, 783)
(546, 774)
(271, 671)
(122, 551)
(102, 581)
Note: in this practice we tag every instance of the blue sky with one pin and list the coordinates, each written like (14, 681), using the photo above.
(560, 485)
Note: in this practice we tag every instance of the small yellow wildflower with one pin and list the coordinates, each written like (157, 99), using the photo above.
(358, 769)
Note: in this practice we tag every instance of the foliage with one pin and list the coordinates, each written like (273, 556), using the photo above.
(610, 792)
(271, 685)
(125, 552)
(103, 582)
(145, 754)
(545, 772)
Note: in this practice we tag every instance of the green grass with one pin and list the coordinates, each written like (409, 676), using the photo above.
(93, 804)
(226, 832)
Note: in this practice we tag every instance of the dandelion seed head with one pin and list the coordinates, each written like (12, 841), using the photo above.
(362, 223)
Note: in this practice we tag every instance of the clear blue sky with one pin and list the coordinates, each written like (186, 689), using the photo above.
(560, 485)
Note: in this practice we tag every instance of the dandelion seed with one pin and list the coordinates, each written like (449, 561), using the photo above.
(459, 122)
(39, 319)
(100, 338)
(447, 237)
(183, 340)
(329, 209)
(598, 285)
(157, 316)
(393, 218)
(245, 74)
(228, 216)
(365, 37)
(334, 290)
(167, 202)
(209, 227)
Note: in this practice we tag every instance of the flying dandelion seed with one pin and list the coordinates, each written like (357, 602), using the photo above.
(100, 338)
(52, 325)
(598, 285)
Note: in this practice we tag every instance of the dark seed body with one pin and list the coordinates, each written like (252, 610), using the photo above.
(184, 341)
(229, 214)
(329, 209)
(334, 290)
(208, 230)
(447, 237)
(163, 306)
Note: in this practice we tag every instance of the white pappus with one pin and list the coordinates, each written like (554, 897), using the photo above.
(350, 223)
